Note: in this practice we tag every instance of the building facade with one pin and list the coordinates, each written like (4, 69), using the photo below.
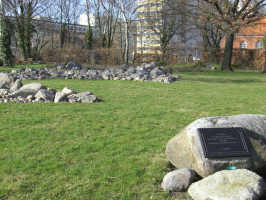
(249, 37)
(148, 27)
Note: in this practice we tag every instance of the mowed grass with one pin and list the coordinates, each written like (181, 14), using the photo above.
(113, 149)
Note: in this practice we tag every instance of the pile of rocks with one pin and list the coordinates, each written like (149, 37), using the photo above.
(186, 153)
(73, 70)
(12, 90)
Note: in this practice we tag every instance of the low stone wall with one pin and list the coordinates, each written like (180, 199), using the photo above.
(145, 72)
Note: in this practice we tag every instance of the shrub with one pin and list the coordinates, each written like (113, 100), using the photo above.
(101, 56)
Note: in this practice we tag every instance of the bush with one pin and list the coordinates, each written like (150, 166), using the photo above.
(191, 67)
(101, 56)
(161, 63)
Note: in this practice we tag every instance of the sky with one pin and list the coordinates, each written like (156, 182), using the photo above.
(83, 20)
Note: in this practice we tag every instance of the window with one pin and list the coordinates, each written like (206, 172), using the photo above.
(259, 44)
(243, 45)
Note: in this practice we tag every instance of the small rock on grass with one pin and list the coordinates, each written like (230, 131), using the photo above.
(179, 180)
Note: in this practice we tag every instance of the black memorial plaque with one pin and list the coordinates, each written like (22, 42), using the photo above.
(224, 142)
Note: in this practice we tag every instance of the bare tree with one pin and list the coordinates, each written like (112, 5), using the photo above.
(211, 33)
(231, 16)
(128, 10)
(106, 15)
(67, 13)
(23, 12)
(110, 17)
(89, 35)
(169, 22)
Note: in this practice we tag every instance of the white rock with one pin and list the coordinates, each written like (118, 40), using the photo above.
(179, 180)
(68, 91)
(59, 97)
(238, 184)
(28, 89)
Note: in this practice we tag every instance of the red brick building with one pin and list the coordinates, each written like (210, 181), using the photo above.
(250, 37)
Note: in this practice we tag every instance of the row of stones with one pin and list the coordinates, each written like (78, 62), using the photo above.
(73, 70)
(15, 91)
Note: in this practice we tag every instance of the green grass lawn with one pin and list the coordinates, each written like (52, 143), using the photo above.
(113, 149)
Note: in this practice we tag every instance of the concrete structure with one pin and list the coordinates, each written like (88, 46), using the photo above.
(250, 37)
(148, 37)
(149, 28)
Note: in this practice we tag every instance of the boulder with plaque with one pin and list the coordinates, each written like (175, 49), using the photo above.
(212, 144)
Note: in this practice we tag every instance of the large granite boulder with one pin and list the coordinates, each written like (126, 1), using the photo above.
(28, 89)
(185, 149)
(238, 184)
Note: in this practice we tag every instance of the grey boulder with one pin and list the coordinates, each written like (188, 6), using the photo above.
(185, 150)
(68, 91)
(179, 180)
(63, 95)
(17, 85)
(28, 89)
(45, 95)
(83, 97)
(73, 65)
(60, 97)
(238, 184)
(5, 81)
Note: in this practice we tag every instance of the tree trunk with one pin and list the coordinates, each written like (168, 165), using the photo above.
(5, 40)
(28, 33)
(228, 52)
(163, 55)
(21, 39)
(126, 43)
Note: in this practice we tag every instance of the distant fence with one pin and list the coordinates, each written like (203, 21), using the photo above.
(244, 58)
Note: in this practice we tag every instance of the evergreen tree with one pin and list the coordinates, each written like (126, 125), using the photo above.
(5, 39)
(89, 36)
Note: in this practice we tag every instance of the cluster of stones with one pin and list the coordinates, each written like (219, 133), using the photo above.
(210, 179)
(12, 90)
(73, 70)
